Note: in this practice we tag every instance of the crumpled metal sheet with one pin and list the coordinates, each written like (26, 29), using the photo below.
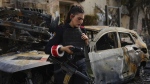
(107, 68)
(114, 65)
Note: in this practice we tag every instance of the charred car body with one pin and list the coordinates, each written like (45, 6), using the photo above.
(115, 53)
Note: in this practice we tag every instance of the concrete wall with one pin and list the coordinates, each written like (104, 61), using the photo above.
(113, 2)
(89, 5)
(48, 6)
(35, 4)
(7, 3)
(125, 21)
(0, 3)
(53, 7)
(139, 23)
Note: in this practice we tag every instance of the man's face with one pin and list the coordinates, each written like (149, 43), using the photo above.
(77, 20)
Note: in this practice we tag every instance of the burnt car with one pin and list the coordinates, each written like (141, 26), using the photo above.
(116, 54)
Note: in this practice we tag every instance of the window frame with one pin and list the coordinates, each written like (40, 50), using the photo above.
(116, 42)
(129, 34)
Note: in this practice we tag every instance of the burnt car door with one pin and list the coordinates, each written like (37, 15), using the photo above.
(132, 52)
(106, 58)
(126, 40)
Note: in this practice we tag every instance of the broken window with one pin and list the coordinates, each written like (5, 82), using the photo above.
(125, 39)
(107, 41)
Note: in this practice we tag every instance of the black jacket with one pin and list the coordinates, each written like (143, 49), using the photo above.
(58, 37)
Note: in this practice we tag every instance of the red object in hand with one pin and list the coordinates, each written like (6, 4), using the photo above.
(54, 51)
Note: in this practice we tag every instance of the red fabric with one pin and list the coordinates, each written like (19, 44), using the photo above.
(54, 50)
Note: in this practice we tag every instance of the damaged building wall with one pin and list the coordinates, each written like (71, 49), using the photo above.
(34, 4)
(0, 3)
(134, 19)
(136, 23)
(125, 18)
(100, 11)
(61, 7)
(94, 12)
(53, 7)
(64, 6)
(113, 2)
(141, 15)
(137, 15)
(46, 6)
(89, 5)
(7, 3)
(125, 21)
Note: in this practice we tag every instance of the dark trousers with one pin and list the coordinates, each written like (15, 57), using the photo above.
(59, 77)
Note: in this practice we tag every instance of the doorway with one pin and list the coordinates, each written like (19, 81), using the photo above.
(64, 8)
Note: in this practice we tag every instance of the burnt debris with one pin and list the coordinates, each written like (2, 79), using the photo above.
(22, 30)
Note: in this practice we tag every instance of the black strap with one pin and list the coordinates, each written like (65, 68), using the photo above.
(87, 60)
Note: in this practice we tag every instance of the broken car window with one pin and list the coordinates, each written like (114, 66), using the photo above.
(125, 39)
(107, 41)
